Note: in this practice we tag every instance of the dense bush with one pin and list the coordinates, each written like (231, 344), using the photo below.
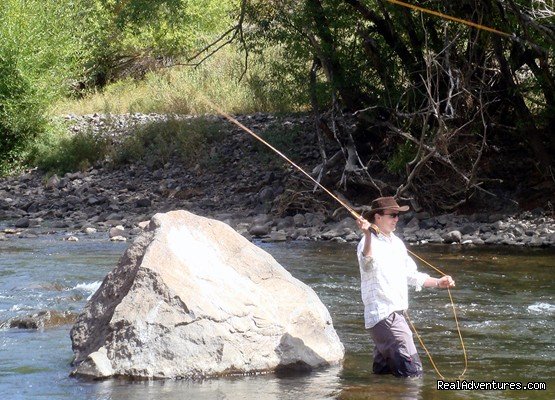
(40, 51)
(21, 112)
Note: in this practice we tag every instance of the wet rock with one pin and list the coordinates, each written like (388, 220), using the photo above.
(118, 239)
(260, 230)
(43, 319)
(277, 236)
(152, 317)
(116, 231)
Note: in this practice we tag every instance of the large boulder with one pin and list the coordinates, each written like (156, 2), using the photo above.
(193, 298)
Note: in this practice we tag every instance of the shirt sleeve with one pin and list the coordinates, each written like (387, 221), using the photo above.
(365, 263)
(414, 277)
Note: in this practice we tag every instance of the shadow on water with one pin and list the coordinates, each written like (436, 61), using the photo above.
(504, 297)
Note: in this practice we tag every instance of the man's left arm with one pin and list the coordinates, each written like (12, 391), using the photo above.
(420, 280)
(444, 282)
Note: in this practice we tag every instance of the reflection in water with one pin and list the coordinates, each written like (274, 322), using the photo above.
(317, 385)
(384, 387)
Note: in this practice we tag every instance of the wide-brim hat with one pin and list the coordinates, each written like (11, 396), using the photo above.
(383, 204)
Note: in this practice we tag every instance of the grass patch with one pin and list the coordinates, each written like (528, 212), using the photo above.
(154, 144)
(180, 90)
(157, 143)
(59, 151)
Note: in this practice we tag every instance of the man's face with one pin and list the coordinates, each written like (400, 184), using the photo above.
(387, 222)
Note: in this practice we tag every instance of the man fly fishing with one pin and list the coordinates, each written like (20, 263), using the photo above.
(386, 270)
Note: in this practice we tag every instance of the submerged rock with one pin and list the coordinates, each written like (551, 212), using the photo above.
(193, 298)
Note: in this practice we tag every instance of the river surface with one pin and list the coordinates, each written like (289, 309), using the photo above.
(505, 299)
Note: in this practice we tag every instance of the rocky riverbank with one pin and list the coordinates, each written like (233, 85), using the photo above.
(238, 188)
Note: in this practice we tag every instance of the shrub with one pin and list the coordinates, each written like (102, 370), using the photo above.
(158, 142)
(59, 151)
(21, 112)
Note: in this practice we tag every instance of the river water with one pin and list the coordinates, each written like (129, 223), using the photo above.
(505, 299)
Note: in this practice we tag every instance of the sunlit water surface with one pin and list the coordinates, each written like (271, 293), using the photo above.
(504, 297)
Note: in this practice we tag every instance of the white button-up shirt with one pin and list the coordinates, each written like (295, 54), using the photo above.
(385, 277)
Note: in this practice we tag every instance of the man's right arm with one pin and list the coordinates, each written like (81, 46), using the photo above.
(365, 251)
(364, 226)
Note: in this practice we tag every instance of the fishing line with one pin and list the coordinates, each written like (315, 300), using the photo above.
(356, 216)
(450, 18)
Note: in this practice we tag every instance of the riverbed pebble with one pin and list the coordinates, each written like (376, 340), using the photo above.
(121, 201)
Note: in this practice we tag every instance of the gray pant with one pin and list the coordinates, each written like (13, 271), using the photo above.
(395, 352)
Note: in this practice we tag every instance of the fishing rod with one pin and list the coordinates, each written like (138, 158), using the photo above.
(467, 23)
(357, 216)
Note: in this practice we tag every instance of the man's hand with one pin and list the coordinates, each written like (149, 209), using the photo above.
(445, 282)
(367, 227)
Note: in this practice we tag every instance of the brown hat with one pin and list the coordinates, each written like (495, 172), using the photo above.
(385, 203)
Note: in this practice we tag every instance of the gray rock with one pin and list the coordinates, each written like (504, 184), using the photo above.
(495, 217)
(413, 223)
(428, 223)
(536, 241)
(299, 220)
(492, 239)
(499, 225)
(284, 223)
(422, 215)
(266, 194)
(143, 203)
(468, 229)
(53, 182)
(278, 236)
(260, 230)
(435, 238)
(35, 222)
(314, 219)
(116, 231)
(22, 223)
(261, 219)
(452, 236)
(192, 298)
(445, 219)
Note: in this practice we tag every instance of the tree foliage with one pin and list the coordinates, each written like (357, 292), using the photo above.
(52, 48)
(130, 37)
(394, 77)
(40, 49)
